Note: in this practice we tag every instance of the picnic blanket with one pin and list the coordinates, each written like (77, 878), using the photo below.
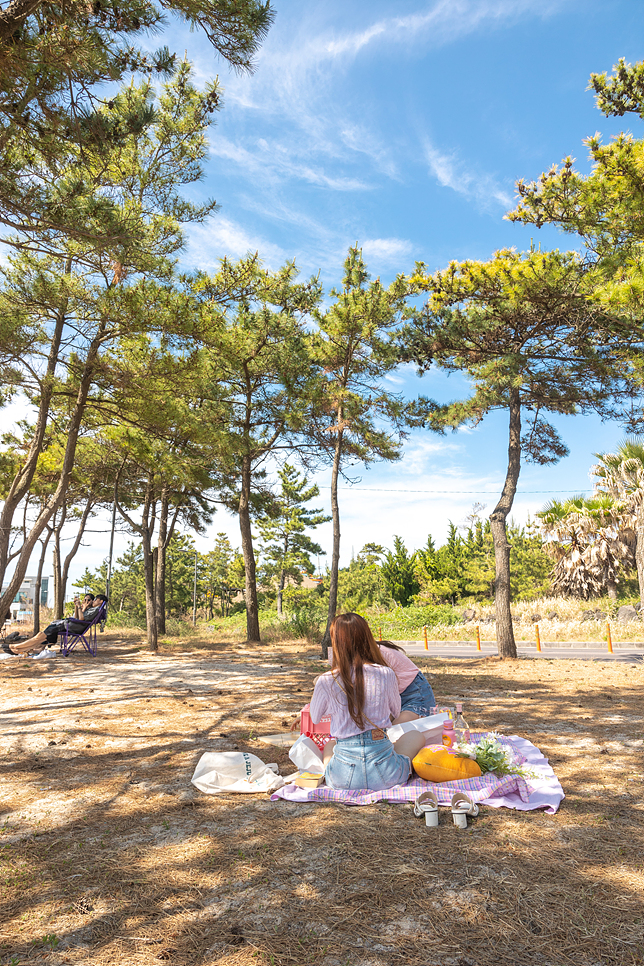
(509, 791)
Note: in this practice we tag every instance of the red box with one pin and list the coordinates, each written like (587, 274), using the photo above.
(309, 727)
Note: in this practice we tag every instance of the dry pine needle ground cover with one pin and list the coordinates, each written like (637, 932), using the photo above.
(108, 856)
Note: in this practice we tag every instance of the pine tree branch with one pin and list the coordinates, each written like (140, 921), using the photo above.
(12, 18)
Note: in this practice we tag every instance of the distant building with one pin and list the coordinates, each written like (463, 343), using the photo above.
(22, 606)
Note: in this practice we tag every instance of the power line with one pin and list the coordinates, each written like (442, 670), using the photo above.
(375, 489)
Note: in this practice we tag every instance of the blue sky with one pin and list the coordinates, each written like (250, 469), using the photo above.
(404, 126)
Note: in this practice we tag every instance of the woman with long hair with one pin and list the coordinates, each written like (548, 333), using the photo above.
(361, 695)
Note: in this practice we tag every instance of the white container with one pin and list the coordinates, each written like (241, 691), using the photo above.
(432, 726)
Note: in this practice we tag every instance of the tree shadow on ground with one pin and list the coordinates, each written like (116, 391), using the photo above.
(117, 862)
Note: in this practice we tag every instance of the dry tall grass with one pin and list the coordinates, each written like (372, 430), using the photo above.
(567, 625)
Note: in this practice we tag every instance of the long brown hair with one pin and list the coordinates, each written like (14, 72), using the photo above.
(353, 646)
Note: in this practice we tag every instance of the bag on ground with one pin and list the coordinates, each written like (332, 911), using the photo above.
(235, 771)
(306, 755)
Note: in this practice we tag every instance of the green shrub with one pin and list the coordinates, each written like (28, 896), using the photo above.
(407, 623)
(306, 621)
(121, 618)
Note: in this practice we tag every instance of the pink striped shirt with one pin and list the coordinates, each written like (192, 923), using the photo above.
(406, 670)
(382, 700)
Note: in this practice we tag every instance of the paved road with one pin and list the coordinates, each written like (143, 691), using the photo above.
(583, 651)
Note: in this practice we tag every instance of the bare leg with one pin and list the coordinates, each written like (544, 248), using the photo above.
(410, 743)
(328, 751)
(406, 716)
(25, 646)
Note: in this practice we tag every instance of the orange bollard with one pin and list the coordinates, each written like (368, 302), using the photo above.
(536, 627)
(380, 632)
(609, 639)
(478, 638)
(425, 636)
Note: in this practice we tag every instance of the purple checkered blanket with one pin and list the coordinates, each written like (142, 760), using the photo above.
(510, 791)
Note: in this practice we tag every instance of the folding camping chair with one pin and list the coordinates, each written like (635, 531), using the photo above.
(86, 636)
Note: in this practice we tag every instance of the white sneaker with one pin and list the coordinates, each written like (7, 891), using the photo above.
(43, 654)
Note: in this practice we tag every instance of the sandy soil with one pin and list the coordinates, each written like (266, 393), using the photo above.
(108, 854)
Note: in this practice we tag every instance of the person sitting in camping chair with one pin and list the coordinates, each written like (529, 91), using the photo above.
(85, 611)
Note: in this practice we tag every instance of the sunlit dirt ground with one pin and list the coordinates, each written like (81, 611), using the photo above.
(109, 855)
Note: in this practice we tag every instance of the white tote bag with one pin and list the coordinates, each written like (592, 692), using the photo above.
(235, 771)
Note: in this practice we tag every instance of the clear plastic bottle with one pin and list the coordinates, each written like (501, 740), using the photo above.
(461, 727)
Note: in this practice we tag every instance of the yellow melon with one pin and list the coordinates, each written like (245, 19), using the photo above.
(439, 764)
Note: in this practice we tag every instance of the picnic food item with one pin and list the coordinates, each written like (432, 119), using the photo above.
(461, 727)
(448, 734)
(438, 764)
(308, 779)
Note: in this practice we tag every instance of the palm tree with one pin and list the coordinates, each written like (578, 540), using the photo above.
(592, 543)
(621, 476)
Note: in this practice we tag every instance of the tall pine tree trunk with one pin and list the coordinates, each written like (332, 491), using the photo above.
(59, 593)
(148, 520)
(145, 529)
(22, 481)
(504, 630)
(281, 583)
(252, 604)
(73, 429)
(162, 546)
(150, 603)
(41, 564)
(335, 556)
(639, 548)
(280, 592)
(64, 575)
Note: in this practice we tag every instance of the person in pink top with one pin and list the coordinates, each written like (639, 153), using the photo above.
(360, 693)
(416, 696)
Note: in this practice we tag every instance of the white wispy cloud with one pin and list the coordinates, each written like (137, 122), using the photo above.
(450, 172)
(385, 250)
(221, 236)
(359, 139)
(276, 161)
(319, 138)
(443, 23)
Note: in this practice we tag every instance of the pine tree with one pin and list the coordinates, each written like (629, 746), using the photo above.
(357, 417)
(399, 573)
(218, 584)
(256, 346)
(56, 61)
(286, 547)
(83, 302)
(362, 585)
(532, 339)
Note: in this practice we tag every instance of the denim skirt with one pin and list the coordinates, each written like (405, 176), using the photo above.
(418, 697)
(367, 763)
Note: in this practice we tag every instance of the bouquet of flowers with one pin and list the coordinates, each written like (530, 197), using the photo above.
(491, 755)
